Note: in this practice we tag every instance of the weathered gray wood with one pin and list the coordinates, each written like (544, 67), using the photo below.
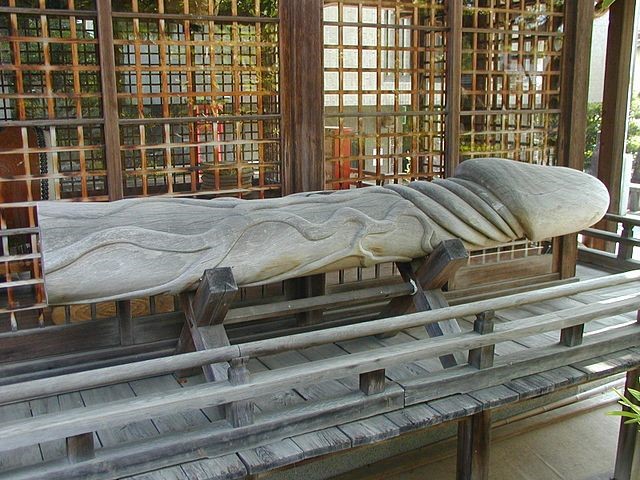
(493, 397)
(115, 434)
(370, 431)
(570, 337)
(18, 456)
(213, 297)
(361, 363)
(271, 456)
(71, 382)
(271, 310)
(474, 441)
(628, 450)
(483, 357)
(455, 407)
(125, 322)
(329, 440)
(468, 378)
(220, 439)
(239, 413)
(80, 447)
(373, 382)
(227, 467)
(314, 232)
(204, 325)
(414, 417)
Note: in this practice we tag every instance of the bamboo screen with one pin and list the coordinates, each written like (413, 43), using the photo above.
(198, 114)
(511, 52)
(384, 65)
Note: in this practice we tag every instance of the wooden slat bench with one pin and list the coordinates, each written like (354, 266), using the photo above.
(319, 392)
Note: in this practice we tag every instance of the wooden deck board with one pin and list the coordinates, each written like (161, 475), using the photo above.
(115, 436)
(371, 430)
(271, 456)
(19, 456)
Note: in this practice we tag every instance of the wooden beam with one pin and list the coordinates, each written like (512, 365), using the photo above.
(617, 95)
(573, 117)
(302, 97)
(454, 87)
(109, 100)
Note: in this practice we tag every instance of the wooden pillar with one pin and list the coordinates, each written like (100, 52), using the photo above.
(109, 101)
(617, 96)
(578, 23)
(474, 441)
(302, 95)
(302, 125)
(628, 454)
(454, 87)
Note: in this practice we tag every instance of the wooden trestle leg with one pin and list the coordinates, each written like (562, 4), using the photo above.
(205, 311)
(429, 275)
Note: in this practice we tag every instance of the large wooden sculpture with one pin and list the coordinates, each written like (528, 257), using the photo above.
(132, 248)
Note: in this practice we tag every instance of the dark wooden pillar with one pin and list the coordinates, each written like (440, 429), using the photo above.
(474, 440)
(615, 103)
(628, 454)
(302, 107)
(454, 87)
(578, 23)
(109, 100)
(302, 95)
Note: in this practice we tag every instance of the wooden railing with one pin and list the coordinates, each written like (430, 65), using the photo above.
(78, 424)
(621, 257)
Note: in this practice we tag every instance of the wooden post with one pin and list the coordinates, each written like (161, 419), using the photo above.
(454, 87)
(239, 413)
(474, 441)
(474, 432)
(373, 382)
(573, 116)
(483, 357)
(80, 448)
(302, 78)
(109, 100)
(572, 336)
(628, 454)
(125, 322)
(625, 250)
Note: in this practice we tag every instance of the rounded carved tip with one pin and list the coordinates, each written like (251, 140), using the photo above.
(547, 201)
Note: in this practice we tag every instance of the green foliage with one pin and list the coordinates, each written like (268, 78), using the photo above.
(633, 134)
(594, 122)
(633, 412)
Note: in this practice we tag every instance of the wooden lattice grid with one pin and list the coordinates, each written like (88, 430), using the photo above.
(198, 97)
(511, 66)
(52, 128)
(384, 66)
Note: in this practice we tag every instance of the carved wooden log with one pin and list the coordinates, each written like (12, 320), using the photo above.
(131, 248)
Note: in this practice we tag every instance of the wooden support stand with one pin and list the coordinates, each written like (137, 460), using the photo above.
(205, 311)
(429, 275)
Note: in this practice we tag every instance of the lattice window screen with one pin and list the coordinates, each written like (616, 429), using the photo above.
(511, 62)
(384, 65)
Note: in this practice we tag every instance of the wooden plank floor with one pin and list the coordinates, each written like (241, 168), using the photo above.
(328, 440)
